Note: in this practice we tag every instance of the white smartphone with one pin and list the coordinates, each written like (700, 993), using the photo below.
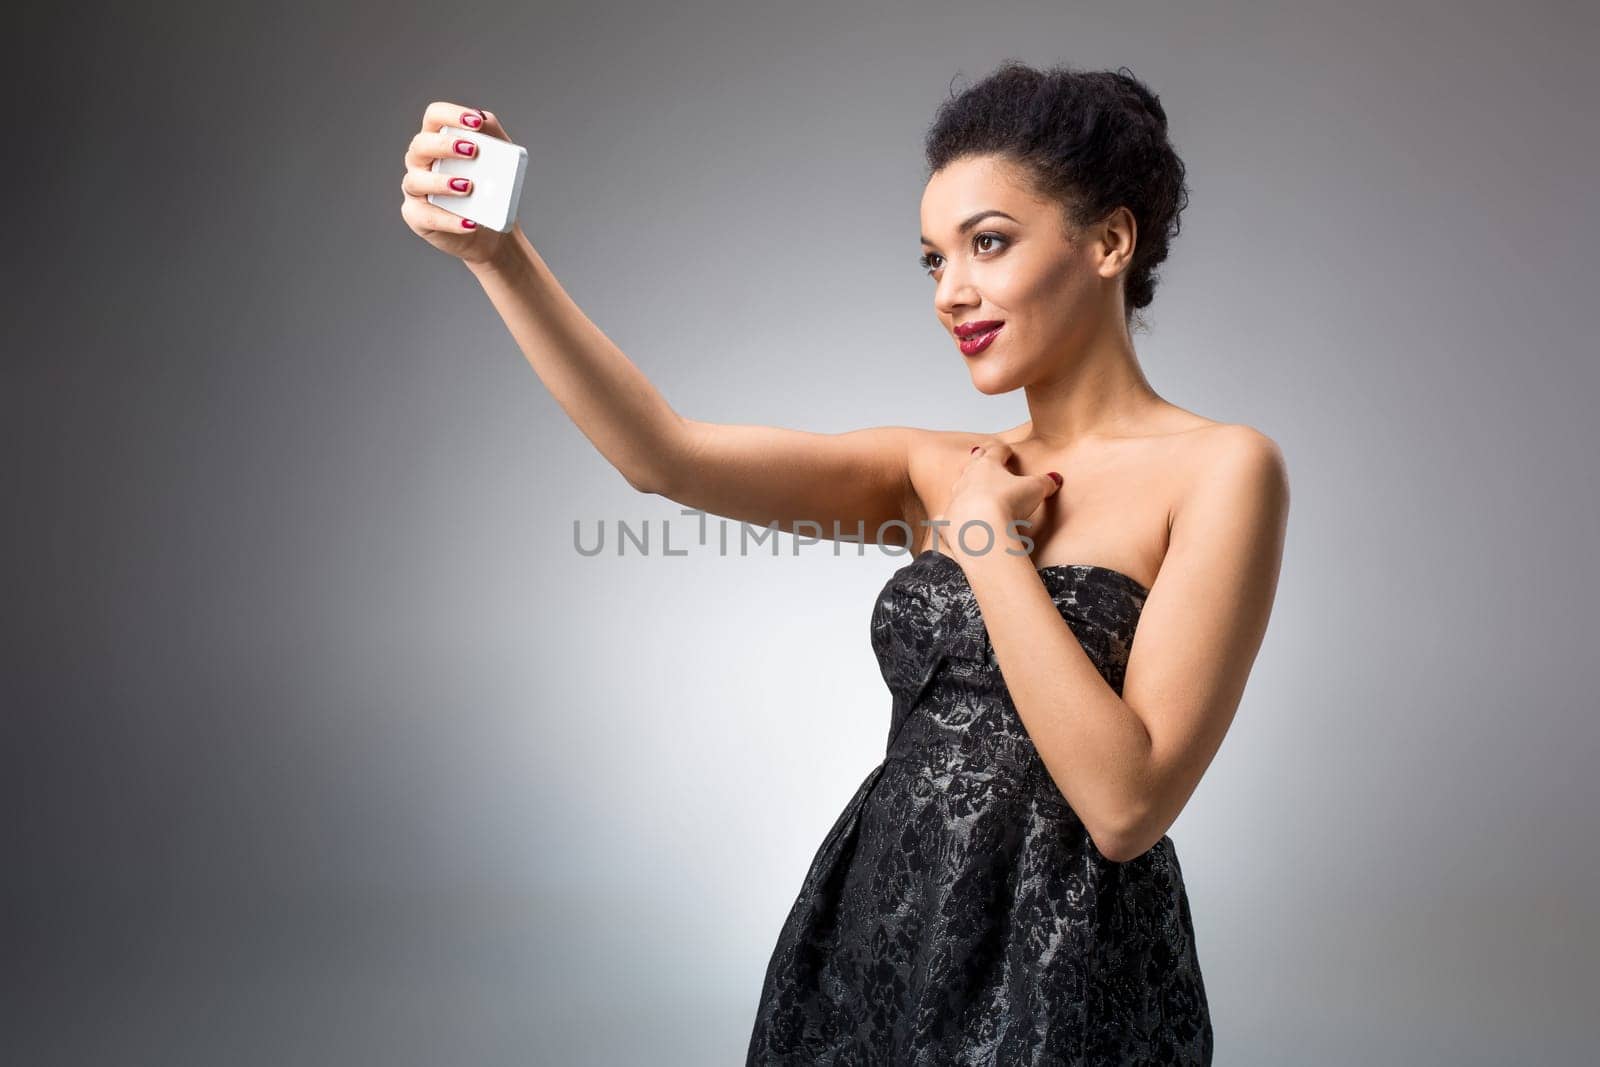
(496, 171)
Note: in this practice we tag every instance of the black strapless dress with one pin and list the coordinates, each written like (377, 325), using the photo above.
(958, 911)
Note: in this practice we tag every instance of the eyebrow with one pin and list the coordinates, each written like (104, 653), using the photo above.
(973, 220)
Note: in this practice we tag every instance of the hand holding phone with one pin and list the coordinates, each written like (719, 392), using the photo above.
(495, 168)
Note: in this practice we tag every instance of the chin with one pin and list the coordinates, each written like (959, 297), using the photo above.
(992, 381)
(992, 388)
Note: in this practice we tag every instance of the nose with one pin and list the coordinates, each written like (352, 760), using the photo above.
(953, 293)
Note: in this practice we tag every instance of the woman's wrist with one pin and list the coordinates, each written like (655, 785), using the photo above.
(980, 532)
(510, 257)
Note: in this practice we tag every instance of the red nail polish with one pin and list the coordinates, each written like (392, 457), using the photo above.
(469, 224)
(1056, 478)
(458, 184)
(472, 119)
(465, 147)
(974, 449)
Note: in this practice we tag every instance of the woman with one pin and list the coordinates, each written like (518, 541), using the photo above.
(1000, 889)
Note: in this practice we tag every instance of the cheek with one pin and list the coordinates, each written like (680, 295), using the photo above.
(1062, 299)
(1037, 288)
(1040, 306)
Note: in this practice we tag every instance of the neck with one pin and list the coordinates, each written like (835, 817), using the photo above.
(1101, 392)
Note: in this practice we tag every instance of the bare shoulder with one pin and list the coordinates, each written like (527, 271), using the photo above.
(936, 451)
(1240, 454)
(933, 460)
(1236, 477)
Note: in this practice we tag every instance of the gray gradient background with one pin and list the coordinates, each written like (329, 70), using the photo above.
(322, 745)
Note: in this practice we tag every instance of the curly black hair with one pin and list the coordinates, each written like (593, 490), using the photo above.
(1091, 140)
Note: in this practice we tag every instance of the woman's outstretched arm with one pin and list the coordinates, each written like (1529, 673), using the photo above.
(601, 390)
(845, 486)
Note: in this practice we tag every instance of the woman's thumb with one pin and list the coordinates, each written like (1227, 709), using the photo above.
(1052, 482)
(491, 123)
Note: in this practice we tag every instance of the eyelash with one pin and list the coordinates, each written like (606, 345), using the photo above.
(928, 268)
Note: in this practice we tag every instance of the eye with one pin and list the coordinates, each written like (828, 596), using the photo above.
(926, 260)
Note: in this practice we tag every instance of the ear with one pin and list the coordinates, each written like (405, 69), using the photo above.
(1115, 239)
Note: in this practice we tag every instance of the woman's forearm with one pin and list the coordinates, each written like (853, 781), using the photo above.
(1092, 744)
(618, 409)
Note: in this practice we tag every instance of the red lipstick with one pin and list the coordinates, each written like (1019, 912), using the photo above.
(974, 337)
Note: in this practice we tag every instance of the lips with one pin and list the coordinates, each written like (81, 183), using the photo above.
(972, 329)
(980, 340)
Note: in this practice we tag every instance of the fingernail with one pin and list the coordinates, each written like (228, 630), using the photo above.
(465, 147)
(458, 184)
(472, 119)
(469, 224)
(974, 449)
(1057, 478)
